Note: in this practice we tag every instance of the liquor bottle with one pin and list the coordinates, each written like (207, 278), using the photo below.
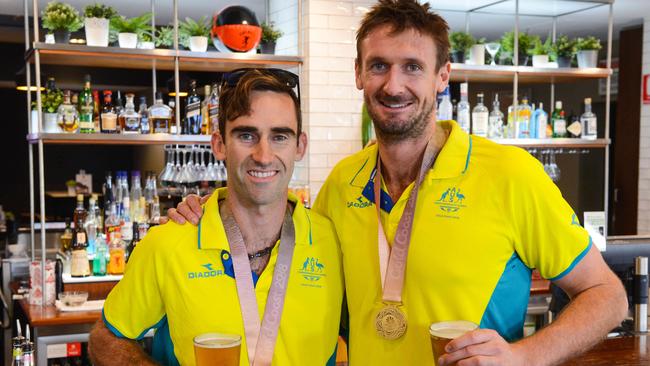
(86, 108)
(142, 219)
(29, 359)
(213, 106)
(74, 100)
(79, 266)
(117, 258)
(205, 111)
(445, 108)
(66, 114)
(96, 125)
(126, 229)
(144, 116)
(541, 121)
(17, 350)
(108, 115)
(589, 122)
(99, 262)
(79, 212)
(575, 127)
(91, 224)
(129, 119)
(463, 108)
(119, 108)
(480, 116)
(66, 237)
(495, 120)
(522, 125)
(193, 111)
(131, 245)
(154, 216)
(558, 121)
(136, 193)
(112, 224)
(160, 116)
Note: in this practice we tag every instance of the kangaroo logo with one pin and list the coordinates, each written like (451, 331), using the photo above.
(450, 202)
(312, 270)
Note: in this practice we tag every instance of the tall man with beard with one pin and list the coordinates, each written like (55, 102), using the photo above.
(461, 223)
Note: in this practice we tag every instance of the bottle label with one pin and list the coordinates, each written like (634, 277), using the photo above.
(116, 262)
(127, 231)
(79, 265)
(541, 126)
(193, 109)
(132, 123)
(480, 126)
(590, 126)
(109, 121)
(112, 233)
(81, 238)
(559, 127)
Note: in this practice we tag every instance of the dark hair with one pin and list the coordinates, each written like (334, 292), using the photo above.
(235, 101)
(407, 14)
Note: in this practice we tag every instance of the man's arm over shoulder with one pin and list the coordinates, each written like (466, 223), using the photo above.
(105, 348)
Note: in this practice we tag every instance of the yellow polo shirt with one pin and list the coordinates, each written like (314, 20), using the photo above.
(180, 280)
(486, 215)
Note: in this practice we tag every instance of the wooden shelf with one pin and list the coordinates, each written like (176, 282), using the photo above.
(163, 59)
(527, 74)
(555, 143)
(116, 139)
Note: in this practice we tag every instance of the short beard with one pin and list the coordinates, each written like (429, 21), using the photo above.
(393, 132)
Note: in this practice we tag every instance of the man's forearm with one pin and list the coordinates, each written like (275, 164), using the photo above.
(106, 349)
(582, 324)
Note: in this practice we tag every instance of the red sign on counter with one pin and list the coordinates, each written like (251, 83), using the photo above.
(74, 349)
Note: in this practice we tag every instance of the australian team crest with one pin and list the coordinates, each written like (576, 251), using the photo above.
(312, 270)
(451, 202)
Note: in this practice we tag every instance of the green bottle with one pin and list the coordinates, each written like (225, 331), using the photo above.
(86, 107)
(558, 121)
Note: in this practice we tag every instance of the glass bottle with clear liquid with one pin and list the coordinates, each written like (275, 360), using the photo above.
(480, 117)
(495, 120)
(589, 122)
(67, 115)
(129, 119)
(463, 109)
(445, 108)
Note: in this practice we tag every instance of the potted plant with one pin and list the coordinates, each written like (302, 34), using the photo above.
(270, 36)
(128, 29)
(540, 51)
(525, 45)
(50, 103)
(588, 51)
(96, 24)
(145, 38)
(563, 49)
(460, 42)
(194, 34)
(477, 53)
(165, 37)
(61, 19)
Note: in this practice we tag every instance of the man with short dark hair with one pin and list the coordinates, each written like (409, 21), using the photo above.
(241, 270)
(456, 224)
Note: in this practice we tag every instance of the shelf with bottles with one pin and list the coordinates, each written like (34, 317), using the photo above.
(117, 139)
(555, 143)
(526, 74)
(162, 59)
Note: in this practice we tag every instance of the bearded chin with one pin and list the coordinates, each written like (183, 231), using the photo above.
(393, 131)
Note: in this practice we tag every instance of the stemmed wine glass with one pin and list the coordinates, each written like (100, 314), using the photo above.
(492, 48)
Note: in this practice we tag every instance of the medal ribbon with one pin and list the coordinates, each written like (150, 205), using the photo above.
(392, 262)
(261, 336)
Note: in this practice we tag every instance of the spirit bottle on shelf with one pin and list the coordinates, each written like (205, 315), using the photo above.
(463, 110)
(205, 111)
(193, 111)
(79, 266)
(67, 116)
(160, 116)
(541, 121)
(130, 119)
(480, 117)
(144, 116)
(445, 108)
(96, 125)
(119, 107)
(173, 128)
(86, 108)
(575, 128)
(523, 119)
(589, 122)
(108, 115)
(495, 120)
(213, 107)
(558, 121)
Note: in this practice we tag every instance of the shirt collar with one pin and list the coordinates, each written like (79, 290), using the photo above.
(212, 235)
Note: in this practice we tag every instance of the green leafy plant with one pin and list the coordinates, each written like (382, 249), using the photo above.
(121, 24)
(461, 41)
(525, 43)
(98, 10)
(540, 48)
(589, 43)
(165, 37)
(192, 28)
(61, 16)
(563, 47)
(146, 34)
(269, 33)
(50, 101)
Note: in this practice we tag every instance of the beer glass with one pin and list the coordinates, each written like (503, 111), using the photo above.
(216, 349)
(443, 332)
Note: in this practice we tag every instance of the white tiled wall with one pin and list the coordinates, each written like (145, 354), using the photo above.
(333, 110)
(643, 226)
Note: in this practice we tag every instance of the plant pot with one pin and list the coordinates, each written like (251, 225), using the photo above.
(62, 36)
(267, 47)
(588, 58)
(96, 32)
(523, 59)
(540, 60)
(127, 40)
(198, 44)
(458, 56)
(564, 61)
(477, 55)
(50, 124)
(146, 45)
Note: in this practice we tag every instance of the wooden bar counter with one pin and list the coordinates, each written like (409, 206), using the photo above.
(623, 351)
(43, 316)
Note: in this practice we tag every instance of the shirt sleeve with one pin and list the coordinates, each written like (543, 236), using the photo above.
(320, 204)
(548, 234)
(135, 304)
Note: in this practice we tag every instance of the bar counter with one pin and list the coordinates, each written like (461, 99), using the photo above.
(627, 351)
(44, 316)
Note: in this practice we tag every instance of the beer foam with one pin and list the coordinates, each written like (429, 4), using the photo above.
(452, 329)
(450, 333)
(217, 341)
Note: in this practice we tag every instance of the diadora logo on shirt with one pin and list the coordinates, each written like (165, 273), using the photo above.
(312, 270)
(206, 272)
(451, 202)
(360, 202)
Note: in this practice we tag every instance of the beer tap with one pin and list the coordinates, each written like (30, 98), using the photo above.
(640, 297)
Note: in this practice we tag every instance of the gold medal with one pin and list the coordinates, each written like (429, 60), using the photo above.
(390, 322)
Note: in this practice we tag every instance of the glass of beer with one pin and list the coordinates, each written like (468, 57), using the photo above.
(443, 332)
(217, 349)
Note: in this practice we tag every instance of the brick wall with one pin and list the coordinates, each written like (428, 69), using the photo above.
(643, 226)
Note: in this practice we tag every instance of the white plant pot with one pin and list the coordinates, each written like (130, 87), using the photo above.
(477, 55)
(146, 45)
(127, 40)
(96, 32)
(588, 58)
(50, 124)
(540, 60)
(34, 121)
(198, 44)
